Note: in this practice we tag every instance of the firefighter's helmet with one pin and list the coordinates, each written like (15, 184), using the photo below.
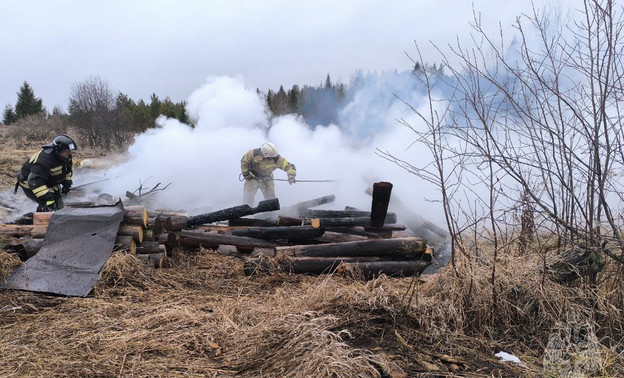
(61, 143)
(269, 150)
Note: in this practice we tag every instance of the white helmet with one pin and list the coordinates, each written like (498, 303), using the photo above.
(269, 150)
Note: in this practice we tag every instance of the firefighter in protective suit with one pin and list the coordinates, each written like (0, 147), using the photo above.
(48, 173)
(257, 167)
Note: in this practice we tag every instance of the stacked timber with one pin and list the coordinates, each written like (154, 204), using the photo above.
(296, 239)
(303, 240)
(136, 236)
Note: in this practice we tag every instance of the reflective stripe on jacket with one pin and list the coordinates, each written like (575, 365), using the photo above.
(44, 171)
(261, 167)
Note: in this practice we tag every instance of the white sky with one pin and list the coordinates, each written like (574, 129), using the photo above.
(169, 48)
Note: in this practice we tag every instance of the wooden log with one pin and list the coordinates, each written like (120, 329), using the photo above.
(152, 260)
(130, 230)
(411, 246)
(42, 218)
(391, 218)
(125, 242)
(167, 238)
(159, 225)
(195, 243)
(251, 222)
(345, 222)
(298, 209)
(273, 233)
(148, 247)
(290, 221)
(165, 251)
(372, 269)
(176, 223)
(220, 239)
(148, 235)
(20, 230)
(297, 265)
(233, 212)
(379, 206)
(339, 237)
(136, 215)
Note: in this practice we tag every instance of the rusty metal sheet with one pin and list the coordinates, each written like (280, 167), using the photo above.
(77, 243)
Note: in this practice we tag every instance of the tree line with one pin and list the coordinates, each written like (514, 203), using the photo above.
(102, 117)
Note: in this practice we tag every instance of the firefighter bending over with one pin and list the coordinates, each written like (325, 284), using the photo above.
(48, 173)
(257, 167)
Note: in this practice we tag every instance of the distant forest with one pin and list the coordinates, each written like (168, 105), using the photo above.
(108, 119)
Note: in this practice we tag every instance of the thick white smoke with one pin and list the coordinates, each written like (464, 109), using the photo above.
(202, 164)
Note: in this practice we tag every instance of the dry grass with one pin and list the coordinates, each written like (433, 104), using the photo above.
(203, 317)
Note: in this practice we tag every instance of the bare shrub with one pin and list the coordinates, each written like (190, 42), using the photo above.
(39, 127)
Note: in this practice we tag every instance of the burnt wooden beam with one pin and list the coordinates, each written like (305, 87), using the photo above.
(312, 213)
(210, 238)
(285, 232)
(178, 223)
(379, 206)
(299, 208)
(410, 246)
(251, 222)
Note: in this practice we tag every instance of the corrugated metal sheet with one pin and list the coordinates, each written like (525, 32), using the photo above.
(77, 243)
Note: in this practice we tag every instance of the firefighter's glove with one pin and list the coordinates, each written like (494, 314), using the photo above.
(66, 188)
(249, 176)
(291, 180)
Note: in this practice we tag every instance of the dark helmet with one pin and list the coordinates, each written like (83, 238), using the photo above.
(62, 143)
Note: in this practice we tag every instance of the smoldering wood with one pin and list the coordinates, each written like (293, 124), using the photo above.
(251, 222)
(391, 218)
(381, 200)
(273, 233)
(400, 247)
(299, 208)
(222, 215)
(219, 239)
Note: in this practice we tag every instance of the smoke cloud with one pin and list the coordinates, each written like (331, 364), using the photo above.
(200, 166)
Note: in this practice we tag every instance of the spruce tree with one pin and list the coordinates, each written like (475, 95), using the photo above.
(9, 115)
(27, 103)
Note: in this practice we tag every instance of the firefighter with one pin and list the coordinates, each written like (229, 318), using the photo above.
(48, 173)
(257, 167)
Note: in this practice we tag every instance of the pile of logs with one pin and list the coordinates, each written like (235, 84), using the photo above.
(136, 236)
(295, 239)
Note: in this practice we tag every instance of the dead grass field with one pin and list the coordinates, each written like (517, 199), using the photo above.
(202, 317)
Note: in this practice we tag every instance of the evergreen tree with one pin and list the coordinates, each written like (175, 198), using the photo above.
(328, 83)
(293, 99)
(9, 115)
(27, 103)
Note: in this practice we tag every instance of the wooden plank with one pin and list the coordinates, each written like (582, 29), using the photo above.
(410, 246)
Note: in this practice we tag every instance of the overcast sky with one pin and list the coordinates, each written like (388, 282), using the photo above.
(170, 48)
